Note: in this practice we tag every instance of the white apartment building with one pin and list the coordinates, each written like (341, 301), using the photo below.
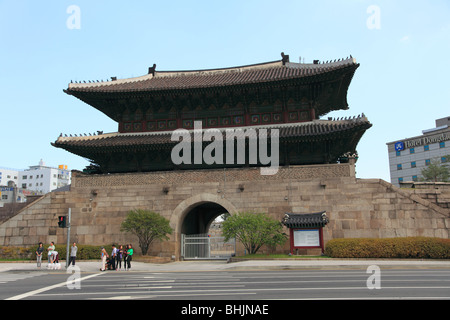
(9, 177)
(409, 156)
(39, 179)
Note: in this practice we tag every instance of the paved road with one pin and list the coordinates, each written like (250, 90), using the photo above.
(229, 290)
(228, 284)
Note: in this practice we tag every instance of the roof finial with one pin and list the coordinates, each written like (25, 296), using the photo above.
(152, 70)
(285, 58)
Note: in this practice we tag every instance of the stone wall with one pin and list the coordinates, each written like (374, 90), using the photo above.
(355, 207)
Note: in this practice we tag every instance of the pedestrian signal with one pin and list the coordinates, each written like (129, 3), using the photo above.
(62, 221)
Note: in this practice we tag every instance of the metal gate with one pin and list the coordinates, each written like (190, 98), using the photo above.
(203, 246)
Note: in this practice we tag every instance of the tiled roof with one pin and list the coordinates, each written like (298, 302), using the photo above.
(171, 80)
(308, 220)
(306, 130)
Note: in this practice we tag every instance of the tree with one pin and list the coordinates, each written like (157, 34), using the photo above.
(436, 171)
(147, 226)
(254, 230)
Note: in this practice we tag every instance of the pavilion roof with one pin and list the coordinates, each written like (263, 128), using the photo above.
(179, 80)
(305, 131)
(305, 220)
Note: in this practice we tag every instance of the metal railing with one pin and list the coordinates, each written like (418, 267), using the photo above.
(204, 246)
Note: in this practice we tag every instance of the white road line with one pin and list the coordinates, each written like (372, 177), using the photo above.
(34, 292)
(140, 297)
(243, 291)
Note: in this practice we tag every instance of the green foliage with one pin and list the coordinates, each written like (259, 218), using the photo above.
(409, 247)
(254, 230)
(436, 171)
(85, 252)
(147, 226)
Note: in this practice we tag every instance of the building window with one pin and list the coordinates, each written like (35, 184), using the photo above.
(427, 162)
(442, 144)
(398, 153)
(24, 177)
(413, 164)
(426, 148)
(411, 151)
(415, 178)
(399, 167)
(443, 160)
(400, 180)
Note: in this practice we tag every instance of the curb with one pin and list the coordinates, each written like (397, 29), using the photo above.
(248, 265)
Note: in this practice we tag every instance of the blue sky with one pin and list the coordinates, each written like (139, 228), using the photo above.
(402, 85)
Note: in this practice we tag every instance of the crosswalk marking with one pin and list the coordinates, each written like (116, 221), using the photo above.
(6, 277)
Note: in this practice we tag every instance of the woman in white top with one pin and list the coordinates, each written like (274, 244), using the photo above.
(104, 254)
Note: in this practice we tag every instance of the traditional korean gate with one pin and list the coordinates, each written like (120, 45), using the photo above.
(203, 246)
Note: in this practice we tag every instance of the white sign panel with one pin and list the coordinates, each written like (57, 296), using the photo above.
(306, 238)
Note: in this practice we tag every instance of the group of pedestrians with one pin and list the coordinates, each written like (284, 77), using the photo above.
(118, 255)
(114, 262)
(52, 254)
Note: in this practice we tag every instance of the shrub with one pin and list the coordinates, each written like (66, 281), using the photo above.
(254, 230)
(409, 247)
(85, 252)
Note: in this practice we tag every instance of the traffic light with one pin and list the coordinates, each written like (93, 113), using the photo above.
(62, 221)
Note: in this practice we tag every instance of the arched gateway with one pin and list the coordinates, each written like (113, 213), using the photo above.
(192, 219)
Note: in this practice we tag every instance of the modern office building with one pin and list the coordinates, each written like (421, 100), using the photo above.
(407, 157)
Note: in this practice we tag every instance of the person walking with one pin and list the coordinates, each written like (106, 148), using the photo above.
(129, 256)
(104, 254)
(39, 252)
(73, 254)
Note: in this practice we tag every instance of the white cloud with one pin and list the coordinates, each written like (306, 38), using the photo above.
(406, 39)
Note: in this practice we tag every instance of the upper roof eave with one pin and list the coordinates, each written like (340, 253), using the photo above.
(180, 80)
(287, 130)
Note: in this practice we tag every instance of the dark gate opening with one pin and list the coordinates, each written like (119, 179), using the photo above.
(198, 241)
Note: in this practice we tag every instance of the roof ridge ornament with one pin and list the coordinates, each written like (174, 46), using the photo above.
(152, 70)
(285, 58)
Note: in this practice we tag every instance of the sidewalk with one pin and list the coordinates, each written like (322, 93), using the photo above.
(251, 265)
